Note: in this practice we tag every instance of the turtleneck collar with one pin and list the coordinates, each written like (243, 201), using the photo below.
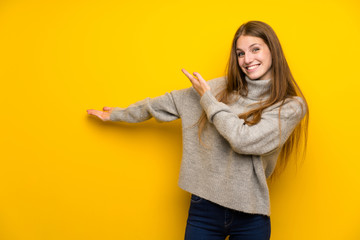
(258, 89)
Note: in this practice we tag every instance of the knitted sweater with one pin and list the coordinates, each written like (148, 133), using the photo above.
(230, 168)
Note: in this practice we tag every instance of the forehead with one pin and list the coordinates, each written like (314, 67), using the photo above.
(244, 42)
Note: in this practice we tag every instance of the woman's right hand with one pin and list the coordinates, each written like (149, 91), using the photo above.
(103, 115)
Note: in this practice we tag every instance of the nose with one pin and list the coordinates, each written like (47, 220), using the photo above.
(248, 58)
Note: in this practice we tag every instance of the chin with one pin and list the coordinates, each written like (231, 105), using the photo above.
(256, 76)
(252, 77)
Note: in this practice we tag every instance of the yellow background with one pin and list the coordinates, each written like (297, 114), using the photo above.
(67, 175)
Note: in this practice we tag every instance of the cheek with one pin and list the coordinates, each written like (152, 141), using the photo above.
(270, 61)
(268, 58)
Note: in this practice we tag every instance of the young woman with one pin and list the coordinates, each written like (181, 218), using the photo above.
(238, 130)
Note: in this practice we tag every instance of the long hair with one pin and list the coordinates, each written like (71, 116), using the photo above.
(282, 86)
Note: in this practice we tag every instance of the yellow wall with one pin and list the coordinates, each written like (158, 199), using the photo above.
(66, 175)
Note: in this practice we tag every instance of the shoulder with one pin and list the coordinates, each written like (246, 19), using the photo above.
(297, 104)
(216, 85)
(294, 106)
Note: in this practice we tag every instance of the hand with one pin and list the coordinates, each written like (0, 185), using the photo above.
(198, 83)
(103, 115)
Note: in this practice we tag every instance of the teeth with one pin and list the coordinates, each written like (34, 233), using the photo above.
(252, 67)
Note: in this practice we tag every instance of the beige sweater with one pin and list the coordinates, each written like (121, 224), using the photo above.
(232, 168)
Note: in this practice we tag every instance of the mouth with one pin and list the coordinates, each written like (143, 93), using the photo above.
(252, 68)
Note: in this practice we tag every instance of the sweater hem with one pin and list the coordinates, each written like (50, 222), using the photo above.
(227, 192)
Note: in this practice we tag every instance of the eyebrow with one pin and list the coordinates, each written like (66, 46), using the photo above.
(249, 47)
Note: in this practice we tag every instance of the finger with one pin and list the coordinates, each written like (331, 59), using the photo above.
(194, 81)
(95, 112)
(191, 77)
(204, 85)
(196, 74)
(107, 108)
(90, 111)
(201, 79)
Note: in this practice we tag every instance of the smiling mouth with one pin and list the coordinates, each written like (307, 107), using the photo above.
(252, 67)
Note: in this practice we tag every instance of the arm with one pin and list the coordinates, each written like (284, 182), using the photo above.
(162, 108)
(257, 139)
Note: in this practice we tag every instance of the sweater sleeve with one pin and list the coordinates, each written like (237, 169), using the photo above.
(162, 108)
(257, 139)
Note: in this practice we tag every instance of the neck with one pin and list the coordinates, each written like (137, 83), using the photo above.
(258, 89)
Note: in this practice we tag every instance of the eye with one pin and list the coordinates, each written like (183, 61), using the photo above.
(256, 49)
(240, 54)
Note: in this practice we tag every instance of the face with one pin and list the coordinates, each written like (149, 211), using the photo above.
(254, 57)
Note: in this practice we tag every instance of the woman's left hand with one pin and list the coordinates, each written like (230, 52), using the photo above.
(198, 82)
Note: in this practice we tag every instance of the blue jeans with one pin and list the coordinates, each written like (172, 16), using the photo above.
(210, 221)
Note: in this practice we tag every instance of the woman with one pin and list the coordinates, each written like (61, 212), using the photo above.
(235, 130)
